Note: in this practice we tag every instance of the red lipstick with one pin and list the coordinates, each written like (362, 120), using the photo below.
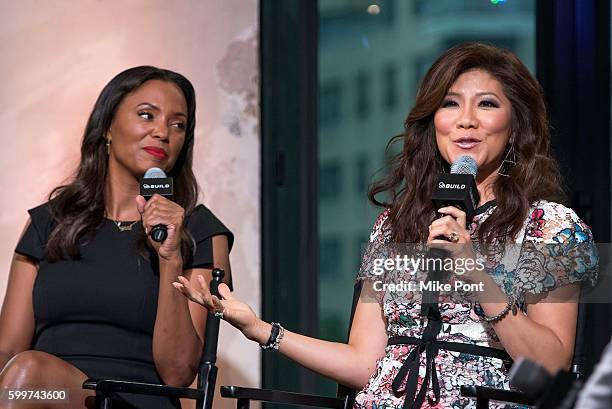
(157, 152)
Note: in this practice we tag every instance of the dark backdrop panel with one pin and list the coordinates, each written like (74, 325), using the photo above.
(573, 66)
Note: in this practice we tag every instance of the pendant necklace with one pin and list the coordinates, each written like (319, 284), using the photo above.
(124, 226)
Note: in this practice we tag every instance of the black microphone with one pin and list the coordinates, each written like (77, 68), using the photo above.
(156, 181)
(458, 188)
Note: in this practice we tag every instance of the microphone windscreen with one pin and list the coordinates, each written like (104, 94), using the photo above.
(154, 173)
(465, 165)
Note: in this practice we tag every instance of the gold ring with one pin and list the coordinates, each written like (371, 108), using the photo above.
(453, 236)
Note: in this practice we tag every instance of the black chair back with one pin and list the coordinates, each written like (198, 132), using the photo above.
(207, 372)
(579, 358)
(343, 392)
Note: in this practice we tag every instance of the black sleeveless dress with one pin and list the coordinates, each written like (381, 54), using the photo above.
(98, 312)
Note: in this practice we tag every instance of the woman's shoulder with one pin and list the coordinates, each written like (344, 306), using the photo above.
(381, 232)
(552, 221)
(554, 210)
(41, 216)
(41, 210)
(34, 239)
(202, 224)
(558, 250)
(200, 213)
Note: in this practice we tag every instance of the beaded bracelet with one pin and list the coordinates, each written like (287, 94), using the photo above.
(276, 335)
(510, 306)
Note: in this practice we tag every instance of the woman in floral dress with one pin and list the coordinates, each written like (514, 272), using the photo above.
(479, 101)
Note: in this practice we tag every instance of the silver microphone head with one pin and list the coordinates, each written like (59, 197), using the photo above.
(465, 165)
(154, 173)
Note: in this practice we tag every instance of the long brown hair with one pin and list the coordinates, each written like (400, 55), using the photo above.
(79, 207)
(413, 172)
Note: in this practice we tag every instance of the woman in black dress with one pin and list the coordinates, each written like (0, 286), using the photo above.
(89, 292)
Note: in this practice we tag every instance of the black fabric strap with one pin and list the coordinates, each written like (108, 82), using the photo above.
(456, 347)
(409, 371)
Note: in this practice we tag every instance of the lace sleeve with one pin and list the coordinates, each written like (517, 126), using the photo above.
(375, 249)
(557, 250)
(372, 252)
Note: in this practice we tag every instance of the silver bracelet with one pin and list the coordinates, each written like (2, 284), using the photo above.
(510, 306)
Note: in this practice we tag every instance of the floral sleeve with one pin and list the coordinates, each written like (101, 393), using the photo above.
(557, 250)
(376, 249)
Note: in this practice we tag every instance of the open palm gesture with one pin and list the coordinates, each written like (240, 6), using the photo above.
(234, 311)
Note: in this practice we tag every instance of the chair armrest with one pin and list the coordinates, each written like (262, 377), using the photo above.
(282, 397)
(502, 395)
(111, 386)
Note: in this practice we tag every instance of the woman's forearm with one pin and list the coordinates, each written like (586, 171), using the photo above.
(344, 363)
(351, 364)
(176, 345)
(522, 336)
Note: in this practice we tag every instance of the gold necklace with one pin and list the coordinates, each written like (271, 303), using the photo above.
(124, 227)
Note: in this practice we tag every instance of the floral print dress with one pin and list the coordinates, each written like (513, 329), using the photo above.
(560, 251)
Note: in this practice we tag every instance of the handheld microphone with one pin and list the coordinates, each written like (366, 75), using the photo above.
(458, 188)
(156, 181)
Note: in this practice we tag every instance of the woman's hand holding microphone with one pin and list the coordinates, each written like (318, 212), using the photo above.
(159, 210)
(459, 244)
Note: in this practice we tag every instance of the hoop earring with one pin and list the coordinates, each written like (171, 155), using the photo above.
(508, 163)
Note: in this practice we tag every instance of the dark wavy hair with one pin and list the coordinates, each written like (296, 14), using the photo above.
(79, 207)
(413, 172)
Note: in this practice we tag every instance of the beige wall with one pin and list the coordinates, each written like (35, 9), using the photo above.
(56, 57)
